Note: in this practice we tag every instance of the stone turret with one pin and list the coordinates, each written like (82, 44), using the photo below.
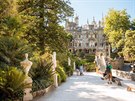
(99, 24)
(67, 23)
(94, 22)
(76, 20)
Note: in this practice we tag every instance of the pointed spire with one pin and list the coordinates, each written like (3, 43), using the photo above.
(72, 19)
(88, 21)
(93, 18)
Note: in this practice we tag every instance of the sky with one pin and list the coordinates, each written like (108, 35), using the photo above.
(87, 9)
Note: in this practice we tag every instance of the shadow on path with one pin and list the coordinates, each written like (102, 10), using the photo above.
(89, 87)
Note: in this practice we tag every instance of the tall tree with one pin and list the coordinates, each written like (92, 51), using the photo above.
(42, 18)
(133, 24)
(116, 24)
(10, 22)
(129, 48)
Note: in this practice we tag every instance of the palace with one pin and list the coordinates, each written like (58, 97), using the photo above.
(89, 38)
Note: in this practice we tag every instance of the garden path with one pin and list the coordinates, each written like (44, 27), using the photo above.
(88, 88)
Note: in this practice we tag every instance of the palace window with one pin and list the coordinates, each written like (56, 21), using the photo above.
(79, 36)
(95, 44)
(87, 44)
(71, 44)
(79, 44)
(76, 44)
(87, 35)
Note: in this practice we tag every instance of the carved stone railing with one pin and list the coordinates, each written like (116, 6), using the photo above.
(124, 74)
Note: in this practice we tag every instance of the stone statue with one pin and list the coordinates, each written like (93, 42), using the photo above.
(26, 64)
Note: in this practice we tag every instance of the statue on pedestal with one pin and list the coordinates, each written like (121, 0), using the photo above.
(26, 64)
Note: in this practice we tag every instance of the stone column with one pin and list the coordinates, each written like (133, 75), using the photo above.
(54, 67)
(74, 66)
(69, 61)
(109, 49)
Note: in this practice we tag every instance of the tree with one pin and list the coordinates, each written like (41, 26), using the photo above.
(42, 18)
(9, 20)
(116, 24)
(133, 24)
(129, 48)
(12, 50)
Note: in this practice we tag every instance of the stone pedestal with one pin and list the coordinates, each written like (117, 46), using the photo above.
(55, 80)
(28, 95)
(69, 61)
(55, 77)
(26, 64)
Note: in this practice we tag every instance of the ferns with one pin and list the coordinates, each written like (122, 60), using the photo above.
(12, 83)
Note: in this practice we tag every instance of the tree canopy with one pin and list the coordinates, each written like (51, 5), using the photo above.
(116, 24)
(133, 24)
(42, 19)
(129, 47)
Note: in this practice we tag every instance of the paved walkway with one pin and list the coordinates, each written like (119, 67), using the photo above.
(88, 88)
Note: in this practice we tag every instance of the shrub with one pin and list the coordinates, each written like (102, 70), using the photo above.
(61, 73)
(42, 75)
(68, 69)
(90, 58)
(90, 67)
(12, 84)
(12, 51)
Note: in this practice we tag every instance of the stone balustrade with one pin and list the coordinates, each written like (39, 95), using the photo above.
(124, 74)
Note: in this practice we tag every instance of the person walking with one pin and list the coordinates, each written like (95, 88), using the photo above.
(81, 69)
(77, 70)
(109, 72)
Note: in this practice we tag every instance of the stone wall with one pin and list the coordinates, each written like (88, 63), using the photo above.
(123, 74)
(117, 64)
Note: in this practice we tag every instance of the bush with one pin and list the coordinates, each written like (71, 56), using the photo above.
(12, 51)
(12, 84)
(68, 69)
(90, 67)
(90, 58)
(40, 84)
(42, 75)
(61, 73)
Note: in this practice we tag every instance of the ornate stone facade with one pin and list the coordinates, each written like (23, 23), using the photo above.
(88, 38)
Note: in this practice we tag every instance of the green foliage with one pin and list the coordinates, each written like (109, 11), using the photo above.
(129, 48)
(10, 26)
(81, 55)
(62, 59)
(12, 51)
(42, 71)
(90, 58)
(41, 75)
(7, 8)
(132, 26)
(116, 24)
(67, 69)
(62, 75)
(12, 84)
(89, 67)
(44, 29)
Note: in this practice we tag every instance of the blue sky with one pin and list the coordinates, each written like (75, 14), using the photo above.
(86, 9)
